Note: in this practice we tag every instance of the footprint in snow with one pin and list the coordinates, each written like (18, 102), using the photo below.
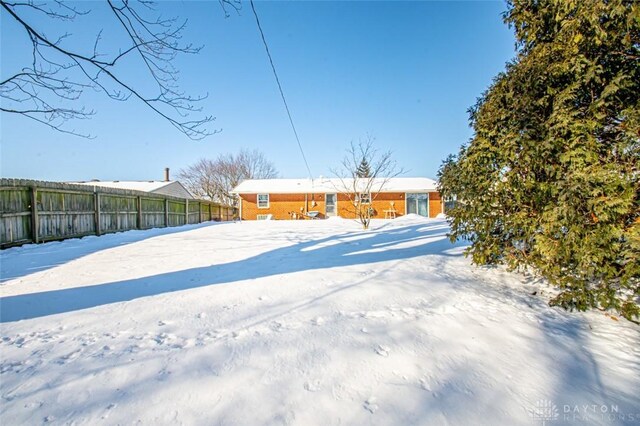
(382, 350)
(106, 414)
(163, 375)
(164, 338)
(275, 326)
(239, 333)
(370, 405)
(68, 357)
(424, 384)
(317, 321)
(312, 385)
(214, 334)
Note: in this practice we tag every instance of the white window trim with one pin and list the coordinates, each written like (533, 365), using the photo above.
(406, 205)
(258, 201)
(335, 194)
(368, 196)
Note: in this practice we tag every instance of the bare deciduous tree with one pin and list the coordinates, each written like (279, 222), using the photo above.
(362, 188)
(215, 179)
(48, 88)
(198, 179)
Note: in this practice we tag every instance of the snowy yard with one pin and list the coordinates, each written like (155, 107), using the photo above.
(298, 322)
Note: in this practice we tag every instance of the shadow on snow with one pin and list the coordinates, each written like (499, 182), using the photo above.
(335, 251)
(55, 253)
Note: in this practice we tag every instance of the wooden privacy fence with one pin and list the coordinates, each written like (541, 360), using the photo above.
(35, 211)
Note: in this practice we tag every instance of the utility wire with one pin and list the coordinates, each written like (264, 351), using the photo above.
(284, 100)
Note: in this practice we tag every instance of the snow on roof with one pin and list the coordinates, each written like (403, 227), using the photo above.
(146, 186)
(324, 185)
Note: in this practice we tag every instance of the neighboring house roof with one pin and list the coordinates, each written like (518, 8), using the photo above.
(326, 185)
(173, 188)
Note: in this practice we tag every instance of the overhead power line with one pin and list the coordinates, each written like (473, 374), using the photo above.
(284, 100)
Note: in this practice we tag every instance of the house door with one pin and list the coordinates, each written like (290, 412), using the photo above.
(418, 204)
(330, 205)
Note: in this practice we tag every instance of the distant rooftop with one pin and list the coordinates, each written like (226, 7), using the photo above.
(328, 185)
(173, 188)
(146, 186)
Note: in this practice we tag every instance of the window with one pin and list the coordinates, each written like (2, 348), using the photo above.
(365, 198)
(263, 201)
(418, 204)
(449, 203)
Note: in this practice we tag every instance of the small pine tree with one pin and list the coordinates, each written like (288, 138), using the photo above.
(364, 169)
(365, 172)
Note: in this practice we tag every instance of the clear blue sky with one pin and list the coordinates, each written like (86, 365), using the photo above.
(404, 72)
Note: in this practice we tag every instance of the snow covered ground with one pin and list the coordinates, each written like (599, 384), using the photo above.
(298, 322)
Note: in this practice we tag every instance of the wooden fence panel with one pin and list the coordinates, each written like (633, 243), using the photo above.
(195, 215)
(15, 222)
(118, 213)
(226, 213)
(64, 214)
(217, 213)
(177, 212)
(205, 212)
(152, 213)
(36, 211)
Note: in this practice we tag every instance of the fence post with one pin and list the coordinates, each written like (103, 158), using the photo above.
(96, 199)
(139, 218)
(34, 214)
(166, 212)
(186, 211)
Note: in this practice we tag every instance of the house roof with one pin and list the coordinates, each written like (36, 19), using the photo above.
(328, 185)
(146, 186)
(174, 188)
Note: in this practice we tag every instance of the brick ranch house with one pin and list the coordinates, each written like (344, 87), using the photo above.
(304, 198)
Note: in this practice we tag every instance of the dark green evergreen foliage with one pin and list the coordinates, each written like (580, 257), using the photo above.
(550, 180)
(364, 169)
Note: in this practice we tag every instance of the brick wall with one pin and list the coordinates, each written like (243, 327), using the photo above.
(281, 206)
(380, 203)
(435, 204)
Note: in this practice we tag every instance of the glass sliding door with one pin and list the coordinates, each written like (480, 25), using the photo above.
(423, 205)
(412, 206)
(418, 204)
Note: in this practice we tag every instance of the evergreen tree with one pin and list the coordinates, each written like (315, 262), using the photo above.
(550, 180)
(364, 170)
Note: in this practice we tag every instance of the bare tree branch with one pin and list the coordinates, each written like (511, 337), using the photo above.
(59, 73)
(236, 5)
(215, 179)
(361, 189)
